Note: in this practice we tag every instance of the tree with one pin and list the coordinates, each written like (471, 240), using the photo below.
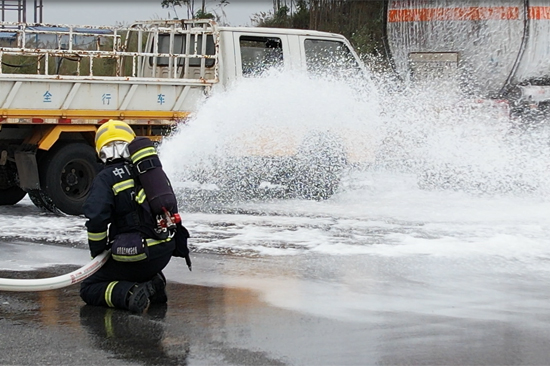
(361, 21)
(300, 19)
(202, 13)
(280, 18)
(190, 4)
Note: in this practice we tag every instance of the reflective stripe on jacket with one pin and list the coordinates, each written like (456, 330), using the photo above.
(111, 207)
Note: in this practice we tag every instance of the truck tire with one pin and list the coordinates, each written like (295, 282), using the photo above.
(10, 193)
(66, 176)
(319, 166)
(39, 199)
(10, 196)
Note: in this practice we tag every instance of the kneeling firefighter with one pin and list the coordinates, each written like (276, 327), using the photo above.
(131, 209)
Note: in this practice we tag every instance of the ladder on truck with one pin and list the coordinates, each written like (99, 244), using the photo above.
(151, 72)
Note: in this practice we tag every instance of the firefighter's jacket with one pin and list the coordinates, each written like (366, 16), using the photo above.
(111, 209)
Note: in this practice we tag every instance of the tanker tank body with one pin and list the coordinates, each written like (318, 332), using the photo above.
(493, 48)
(531, 78)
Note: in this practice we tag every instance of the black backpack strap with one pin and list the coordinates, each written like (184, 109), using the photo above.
(147, 164)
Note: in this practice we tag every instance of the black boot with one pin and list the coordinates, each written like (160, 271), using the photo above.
(159, 284)
(138, 297)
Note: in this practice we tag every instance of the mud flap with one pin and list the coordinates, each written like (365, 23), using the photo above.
(27, 169)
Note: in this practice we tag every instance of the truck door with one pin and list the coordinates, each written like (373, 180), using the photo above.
(258, 53)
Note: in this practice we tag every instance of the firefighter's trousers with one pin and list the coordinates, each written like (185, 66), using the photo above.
(110, 285)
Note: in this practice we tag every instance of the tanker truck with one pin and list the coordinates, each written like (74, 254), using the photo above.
(59, 83)
(498, 49)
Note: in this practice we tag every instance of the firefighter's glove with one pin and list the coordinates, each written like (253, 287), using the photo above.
(95, 252)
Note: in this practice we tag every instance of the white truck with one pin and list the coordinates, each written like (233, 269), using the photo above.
(60, 82)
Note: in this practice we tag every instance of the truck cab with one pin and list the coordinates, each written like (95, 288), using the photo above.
(233, 53)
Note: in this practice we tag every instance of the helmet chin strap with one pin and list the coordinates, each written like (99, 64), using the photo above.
(114, 150)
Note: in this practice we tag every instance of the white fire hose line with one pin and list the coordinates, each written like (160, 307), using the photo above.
(44, 284)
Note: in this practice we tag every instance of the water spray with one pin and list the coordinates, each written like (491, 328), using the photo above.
(52, 283)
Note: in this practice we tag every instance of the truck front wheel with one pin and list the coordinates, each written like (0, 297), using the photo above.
(66, 176)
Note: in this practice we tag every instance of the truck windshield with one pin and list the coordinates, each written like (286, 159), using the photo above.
(259, 54)
(326, 57)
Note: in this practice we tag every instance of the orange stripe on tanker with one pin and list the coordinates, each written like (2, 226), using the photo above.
(470, 13)
(539, 12)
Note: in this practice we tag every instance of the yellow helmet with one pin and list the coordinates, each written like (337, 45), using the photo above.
(113, 130)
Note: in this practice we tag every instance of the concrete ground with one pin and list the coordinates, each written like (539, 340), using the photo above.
(253, 311)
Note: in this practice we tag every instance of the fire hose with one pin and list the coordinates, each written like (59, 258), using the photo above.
(44, 284)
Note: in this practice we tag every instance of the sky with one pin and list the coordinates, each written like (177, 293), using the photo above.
(104, 12)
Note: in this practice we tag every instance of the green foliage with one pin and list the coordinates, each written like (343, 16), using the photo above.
(204, 15)
(201, 13)
(73, 64)
(171, 3)
(281, 19)
(362, 22)
(300, 19)
(16, 64)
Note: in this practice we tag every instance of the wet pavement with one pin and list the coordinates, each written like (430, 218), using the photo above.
(281, 311)
(200, 325)
(55, 327)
